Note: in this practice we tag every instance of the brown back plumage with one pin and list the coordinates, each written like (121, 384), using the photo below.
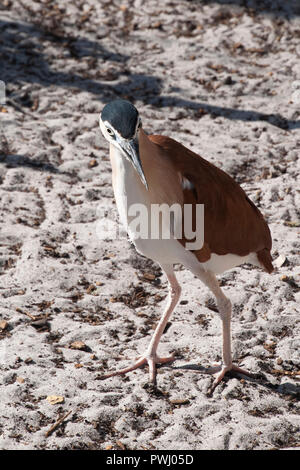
(233, 224)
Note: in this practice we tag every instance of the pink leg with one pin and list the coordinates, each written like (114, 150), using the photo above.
(224, 306)
(150, 357)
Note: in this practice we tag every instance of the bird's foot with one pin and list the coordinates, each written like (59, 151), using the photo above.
(151, 359)
(224, 370)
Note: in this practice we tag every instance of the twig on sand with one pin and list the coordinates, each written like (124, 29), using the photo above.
(57, 423)
(19, 310)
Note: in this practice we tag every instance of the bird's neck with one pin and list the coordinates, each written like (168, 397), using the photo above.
(127, 185)
(148, 154)
(124, 171)
(156, 169)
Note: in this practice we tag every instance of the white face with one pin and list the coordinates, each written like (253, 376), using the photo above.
(113, 136)
(129, 148)
(108, 132)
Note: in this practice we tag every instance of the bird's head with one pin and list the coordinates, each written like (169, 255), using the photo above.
(120, 124)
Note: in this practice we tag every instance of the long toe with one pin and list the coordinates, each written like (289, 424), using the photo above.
(241, 371)
(226, 369)
(139, 363)
(152, 361)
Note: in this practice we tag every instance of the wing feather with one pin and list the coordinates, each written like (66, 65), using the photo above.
(232, 222)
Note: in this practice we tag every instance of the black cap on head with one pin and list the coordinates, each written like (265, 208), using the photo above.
(122, 116)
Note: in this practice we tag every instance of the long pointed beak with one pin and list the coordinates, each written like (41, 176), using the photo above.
(131, 148)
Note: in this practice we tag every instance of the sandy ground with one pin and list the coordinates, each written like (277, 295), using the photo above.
(221, 77)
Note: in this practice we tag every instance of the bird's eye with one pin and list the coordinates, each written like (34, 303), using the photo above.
(109, 131)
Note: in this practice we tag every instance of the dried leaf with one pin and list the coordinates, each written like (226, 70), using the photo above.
(79, 345)
(28, 360)
(90, 289)
(289, 280)
(121, 445)
(179, 401)
(93, 163)
(55, 399)
(3, 324)
(149, 276)
(292, 224)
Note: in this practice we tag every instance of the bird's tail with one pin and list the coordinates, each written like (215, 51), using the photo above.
(264, 257)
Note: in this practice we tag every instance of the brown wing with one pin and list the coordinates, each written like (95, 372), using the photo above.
(232, 222)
